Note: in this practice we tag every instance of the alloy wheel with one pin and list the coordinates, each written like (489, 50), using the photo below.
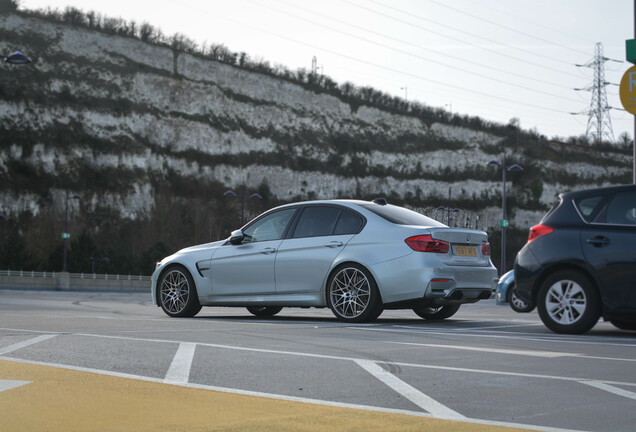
(350, 292)
(175, 291)
(565, 302)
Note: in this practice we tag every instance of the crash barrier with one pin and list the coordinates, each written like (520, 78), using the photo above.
(64, 281)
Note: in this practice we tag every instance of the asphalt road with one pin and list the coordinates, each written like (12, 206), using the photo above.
(113, 361)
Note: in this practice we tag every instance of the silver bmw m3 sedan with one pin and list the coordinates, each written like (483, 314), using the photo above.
(356, 257)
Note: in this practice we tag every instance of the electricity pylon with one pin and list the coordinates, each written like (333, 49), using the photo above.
(599, 122)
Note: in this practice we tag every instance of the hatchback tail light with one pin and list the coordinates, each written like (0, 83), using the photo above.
(485, 249)
(426, 243)
(539, 231)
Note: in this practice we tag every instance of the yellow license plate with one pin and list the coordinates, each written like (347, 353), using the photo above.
(465, 250)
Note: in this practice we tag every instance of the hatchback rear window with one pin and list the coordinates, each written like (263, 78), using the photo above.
(401, 215)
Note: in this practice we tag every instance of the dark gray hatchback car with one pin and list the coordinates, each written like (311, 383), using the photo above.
(580, 261)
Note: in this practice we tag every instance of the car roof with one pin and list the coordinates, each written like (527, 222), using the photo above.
(351, 202)
(594, 191)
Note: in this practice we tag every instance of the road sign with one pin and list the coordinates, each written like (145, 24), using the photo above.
(504, 223)
(630, 50)
(66, 235)
(627, 90)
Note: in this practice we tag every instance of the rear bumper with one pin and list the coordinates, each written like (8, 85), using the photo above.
(527, 270)
(419, 276)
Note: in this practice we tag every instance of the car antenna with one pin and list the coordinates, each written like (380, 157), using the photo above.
(381, 201)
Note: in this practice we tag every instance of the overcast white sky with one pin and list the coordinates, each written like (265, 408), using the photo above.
(489, 58)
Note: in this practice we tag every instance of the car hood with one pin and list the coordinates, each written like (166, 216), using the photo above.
(198, 248)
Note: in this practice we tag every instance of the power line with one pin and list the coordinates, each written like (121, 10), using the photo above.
(505, 27)
(452, 66)
(498, 43)
(408, 43)
(534, 23)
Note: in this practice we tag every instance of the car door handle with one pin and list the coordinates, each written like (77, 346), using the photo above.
(334, 244)
(268, 251)
(599, 241)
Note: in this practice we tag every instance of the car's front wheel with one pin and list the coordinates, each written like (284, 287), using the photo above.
(516, 303)
(177, 293)
(264, 311)
(568, 303)
(353, 295)
(432, 313)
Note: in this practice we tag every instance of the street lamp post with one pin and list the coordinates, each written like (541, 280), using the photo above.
(66, 235)
(504, 222)
(448, 212)
(232, 194)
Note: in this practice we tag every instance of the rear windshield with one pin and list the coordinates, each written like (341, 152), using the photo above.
(401, 215)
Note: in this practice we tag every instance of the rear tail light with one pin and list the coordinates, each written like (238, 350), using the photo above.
(426, 243)
(485, 249)
(539, 231)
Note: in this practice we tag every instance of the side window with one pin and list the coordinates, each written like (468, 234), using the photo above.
(348, 223)
(621, 209)
(271, 227)
(587, 206)
(316, 221)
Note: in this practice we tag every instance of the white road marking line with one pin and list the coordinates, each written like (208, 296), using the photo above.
(179, 371)
(608, 388)
(289, 398)
(11, 384)
(589, 340)
(26, 343)
(547, 354)
(423, 401)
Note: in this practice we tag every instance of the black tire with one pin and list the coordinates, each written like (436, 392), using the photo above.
(264, 311)
(624, 325)
(436, 313)
(568, 302)
(352, 294)
(516, 304)
(177, 293)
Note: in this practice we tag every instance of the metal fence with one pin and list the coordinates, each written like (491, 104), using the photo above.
(22, 273)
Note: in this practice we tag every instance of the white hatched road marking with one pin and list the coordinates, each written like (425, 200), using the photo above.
(179, 371)
(423, 401)
(11, 384)
(611, 389)
(548, 354)
(26, 343)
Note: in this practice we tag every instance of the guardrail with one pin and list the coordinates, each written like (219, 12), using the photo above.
(21, 279)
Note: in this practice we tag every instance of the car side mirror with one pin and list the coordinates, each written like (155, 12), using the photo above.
(236, 238)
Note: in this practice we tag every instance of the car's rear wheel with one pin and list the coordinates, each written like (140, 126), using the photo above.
(516, 303)
(264, 311)
(177, 293)
(432, 313)
(353, 295)
(624, 325)
(568, 303)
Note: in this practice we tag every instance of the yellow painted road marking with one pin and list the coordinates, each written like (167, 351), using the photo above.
(66, 400)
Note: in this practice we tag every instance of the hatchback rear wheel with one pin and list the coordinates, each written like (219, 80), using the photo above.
(353, 295)
(568, 303)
